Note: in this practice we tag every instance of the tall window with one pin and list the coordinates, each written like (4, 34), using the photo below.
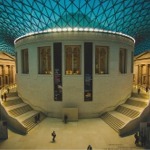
(123, 60)
(44, 60)
(25, 63)
(72, 59)
(132, 55)
(101, 60)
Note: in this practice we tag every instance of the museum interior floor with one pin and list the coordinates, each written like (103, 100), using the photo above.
(72, 136)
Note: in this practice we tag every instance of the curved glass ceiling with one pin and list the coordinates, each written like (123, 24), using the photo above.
(19, 17)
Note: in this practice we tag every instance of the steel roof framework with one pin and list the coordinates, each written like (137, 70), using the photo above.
(19, 17)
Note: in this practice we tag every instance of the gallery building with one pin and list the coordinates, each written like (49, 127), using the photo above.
(7, 69)
(142, 69)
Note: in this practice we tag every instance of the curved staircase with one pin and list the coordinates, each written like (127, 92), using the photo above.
(20, 115)
(126, 116)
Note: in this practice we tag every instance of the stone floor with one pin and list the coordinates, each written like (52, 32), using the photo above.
(72, 136)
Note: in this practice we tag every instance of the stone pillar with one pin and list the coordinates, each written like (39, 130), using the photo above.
(11, 74)
(147, 74)
(139, 74)
(1, 76)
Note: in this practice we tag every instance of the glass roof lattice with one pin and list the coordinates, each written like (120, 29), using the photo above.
(19, 17)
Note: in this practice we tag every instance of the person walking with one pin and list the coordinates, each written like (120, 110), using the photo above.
(89, 147)
(54, 136)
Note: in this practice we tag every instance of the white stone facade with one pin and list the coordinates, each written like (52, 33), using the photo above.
(109, 90)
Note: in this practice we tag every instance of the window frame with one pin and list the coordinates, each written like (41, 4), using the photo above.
(48, 62)
(25, 61)
(72, 70)
(98, 65)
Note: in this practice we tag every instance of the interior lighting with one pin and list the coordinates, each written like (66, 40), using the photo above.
(69, 29)
(54, 29)
(59, 30)
(86, 29)
(95, 30)
(75, 29)
(91, 29)
(64, 29)
(100, 30)
(80, 29)
(45, 31)
(49, 30)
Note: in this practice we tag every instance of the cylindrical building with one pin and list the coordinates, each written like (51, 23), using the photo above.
(85, 69)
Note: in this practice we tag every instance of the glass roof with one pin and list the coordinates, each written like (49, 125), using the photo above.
(19, 17)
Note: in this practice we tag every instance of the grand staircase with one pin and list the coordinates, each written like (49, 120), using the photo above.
(20, 115)
(126, 116)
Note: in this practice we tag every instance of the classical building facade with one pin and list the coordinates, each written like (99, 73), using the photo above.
(78, 69)
(142, 69)
(7, 69)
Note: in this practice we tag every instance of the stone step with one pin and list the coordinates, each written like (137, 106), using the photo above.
(12, 94)
(21, 110)
(30, 122)
(112, 121)
(12, 102)
(125, 119)
(125, 110)
(138, 102)
(26, 115)
(16, 106)
(138, 109)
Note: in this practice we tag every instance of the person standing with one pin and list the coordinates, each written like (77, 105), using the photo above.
(2, 97)
(146, 88)
(89, 147)
(139, 90)
(136, 139)
(38, 117)
(5, 97)
(65, 118)
(8, 90)
(54, 136)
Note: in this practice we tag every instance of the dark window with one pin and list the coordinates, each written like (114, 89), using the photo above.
(101, 60)
(25, 61)
(123, 61)
(44, 54)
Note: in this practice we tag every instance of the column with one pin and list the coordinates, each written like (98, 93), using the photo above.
(3, 74)
(147, 74)
(140, 75)
(9, 74)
